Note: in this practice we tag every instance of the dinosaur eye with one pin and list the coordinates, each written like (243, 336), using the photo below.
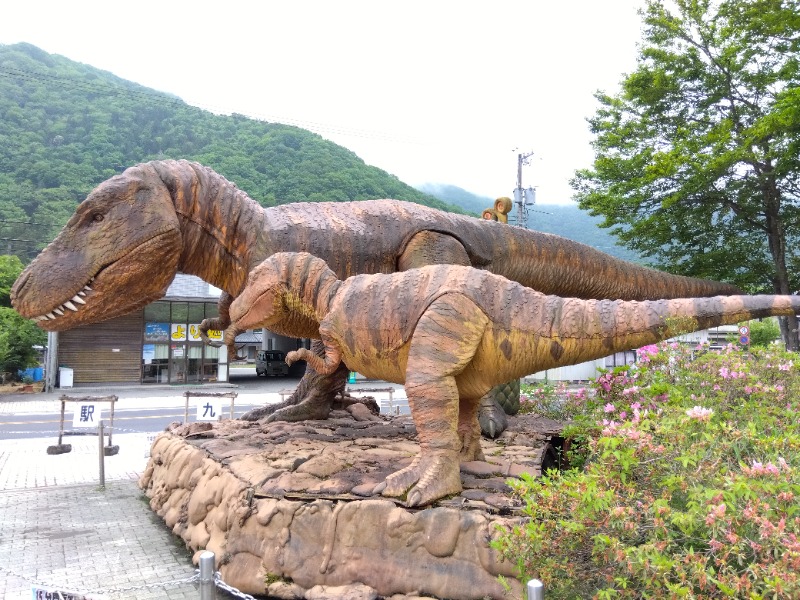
(97, 217)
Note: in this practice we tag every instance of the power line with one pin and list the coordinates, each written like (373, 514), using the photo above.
(24, 223)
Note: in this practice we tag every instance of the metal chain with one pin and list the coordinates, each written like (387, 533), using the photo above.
(231, 590)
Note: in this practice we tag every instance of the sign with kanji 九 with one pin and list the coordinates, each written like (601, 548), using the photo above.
(87, 415)
(209, 409)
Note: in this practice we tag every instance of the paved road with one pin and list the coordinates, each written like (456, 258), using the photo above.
(148, 408)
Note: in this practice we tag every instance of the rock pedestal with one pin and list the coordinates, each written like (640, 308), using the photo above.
(288, 511)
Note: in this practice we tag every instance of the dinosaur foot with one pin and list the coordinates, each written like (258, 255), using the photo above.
(312, 407)
(256, 414)
(492, 418)
(309, 409)
(471, 447)
(432, 475)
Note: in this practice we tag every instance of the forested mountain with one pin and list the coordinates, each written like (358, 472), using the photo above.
(66, 126)
(568, 221)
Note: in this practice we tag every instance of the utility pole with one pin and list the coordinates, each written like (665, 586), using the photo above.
(523, 198)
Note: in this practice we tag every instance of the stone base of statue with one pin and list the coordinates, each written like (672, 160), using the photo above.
(288, 511)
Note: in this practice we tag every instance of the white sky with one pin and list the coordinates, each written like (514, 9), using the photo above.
(432, 91)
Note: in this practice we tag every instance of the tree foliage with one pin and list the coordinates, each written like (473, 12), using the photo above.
(17, 335)
(10, 268)
(65, 127)
(696, 158)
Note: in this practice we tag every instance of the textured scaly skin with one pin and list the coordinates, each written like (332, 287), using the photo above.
(450, 333)
(125, 242)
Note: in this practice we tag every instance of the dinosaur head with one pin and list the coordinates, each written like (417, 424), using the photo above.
(118, 252)
(286, 294)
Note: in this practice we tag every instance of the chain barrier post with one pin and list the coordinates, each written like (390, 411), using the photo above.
(535, 590)
(100, 437)
(208, 588)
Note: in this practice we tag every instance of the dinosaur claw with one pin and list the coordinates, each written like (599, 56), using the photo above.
(414, 498)
(378, 489)
(491, 428)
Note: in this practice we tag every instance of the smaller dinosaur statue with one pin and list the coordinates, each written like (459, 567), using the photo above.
(502, 206)
(450, 333)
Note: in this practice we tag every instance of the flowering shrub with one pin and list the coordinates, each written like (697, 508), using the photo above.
(691, 487)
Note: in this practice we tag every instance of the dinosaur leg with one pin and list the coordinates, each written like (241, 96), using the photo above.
(312, 399)
(429, 248)
(443, 344)
(469, 431)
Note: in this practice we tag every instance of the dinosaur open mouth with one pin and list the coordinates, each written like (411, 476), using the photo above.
(72, 304)
(127, 280)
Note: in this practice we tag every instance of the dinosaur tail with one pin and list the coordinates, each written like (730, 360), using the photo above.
(556, 265)
(589, 329)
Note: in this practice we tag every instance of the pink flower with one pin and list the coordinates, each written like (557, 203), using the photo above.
(699, 413)
(609, 408)
(716, 512)
(724, 372)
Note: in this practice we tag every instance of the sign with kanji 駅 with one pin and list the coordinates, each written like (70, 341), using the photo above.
(87, 414)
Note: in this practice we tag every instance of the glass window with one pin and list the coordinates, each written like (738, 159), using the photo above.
(180, 312)
(211, 310)
(196, 312)
(155, 359)
(157, 312)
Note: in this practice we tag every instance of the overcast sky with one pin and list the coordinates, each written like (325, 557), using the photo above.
(432, 91)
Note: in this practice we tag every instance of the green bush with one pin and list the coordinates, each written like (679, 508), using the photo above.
(17, 338)
(690, 487)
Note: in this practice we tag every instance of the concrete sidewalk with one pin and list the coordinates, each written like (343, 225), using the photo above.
(60, 529)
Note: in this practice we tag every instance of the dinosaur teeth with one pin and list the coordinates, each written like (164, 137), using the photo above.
(59, 312)
(70, 306)
(81, 293)
(78, 299)
(87, 288)
(41, 318)
(51, 316)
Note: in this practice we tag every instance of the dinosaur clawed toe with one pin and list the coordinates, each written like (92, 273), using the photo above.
(492, 418)
(311, 408)
(432, 475)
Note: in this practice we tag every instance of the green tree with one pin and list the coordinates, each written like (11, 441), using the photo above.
(762, 333)
(10, 268)
(696, 158)
(17, 335)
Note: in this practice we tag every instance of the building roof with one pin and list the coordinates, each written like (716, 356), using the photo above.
(191, 287)
(249, 337)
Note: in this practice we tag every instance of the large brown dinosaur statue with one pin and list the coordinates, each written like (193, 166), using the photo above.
(128, 238)
(450, 333)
